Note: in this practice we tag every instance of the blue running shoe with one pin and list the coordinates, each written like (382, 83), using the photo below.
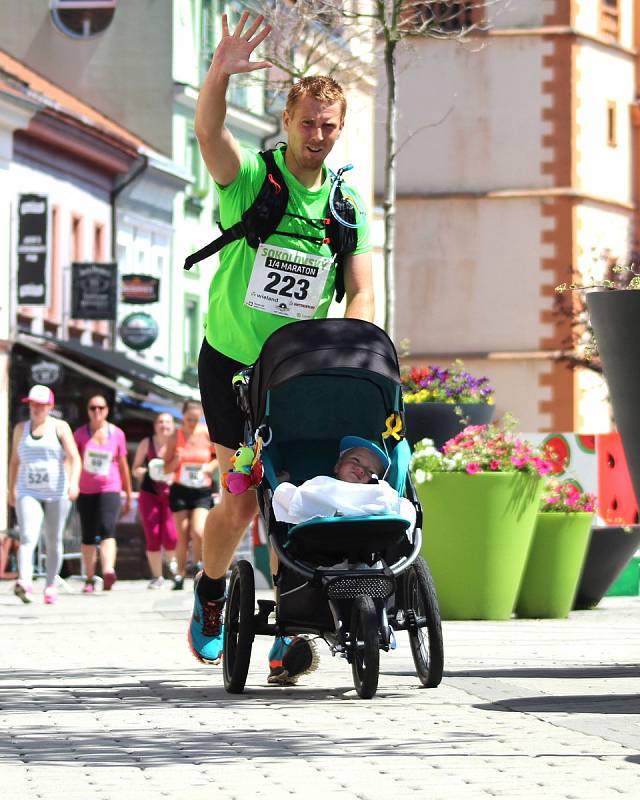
(290, 659)
(206, 630)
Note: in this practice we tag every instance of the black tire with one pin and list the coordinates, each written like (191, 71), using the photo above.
(238, 627)
(365, 644)
(425, 629)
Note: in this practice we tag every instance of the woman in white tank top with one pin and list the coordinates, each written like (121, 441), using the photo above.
(43, 481)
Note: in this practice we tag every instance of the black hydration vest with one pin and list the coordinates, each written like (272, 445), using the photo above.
(262, 218)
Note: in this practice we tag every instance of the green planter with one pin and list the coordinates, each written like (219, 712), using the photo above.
(477, 533)
(554, 566)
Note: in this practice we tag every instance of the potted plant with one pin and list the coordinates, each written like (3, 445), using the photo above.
(439, 402)
(614, 307)
(557, 554)
(479, 496)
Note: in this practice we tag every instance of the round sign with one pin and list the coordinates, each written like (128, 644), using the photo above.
(139, 331)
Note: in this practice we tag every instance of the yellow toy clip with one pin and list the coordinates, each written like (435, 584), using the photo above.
(394, 427)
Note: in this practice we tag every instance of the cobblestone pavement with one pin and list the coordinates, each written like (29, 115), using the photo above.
(100, 698)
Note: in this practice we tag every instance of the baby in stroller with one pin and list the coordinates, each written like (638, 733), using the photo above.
(353, 579)
(360, 461)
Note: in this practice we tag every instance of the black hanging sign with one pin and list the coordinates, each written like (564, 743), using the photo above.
(140, 289)
(33, 255)
(93, 290)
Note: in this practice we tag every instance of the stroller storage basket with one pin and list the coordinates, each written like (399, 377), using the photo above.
(379, 587)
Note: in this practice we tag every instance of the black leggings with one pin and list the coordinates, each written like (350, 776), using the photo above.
(99, 515)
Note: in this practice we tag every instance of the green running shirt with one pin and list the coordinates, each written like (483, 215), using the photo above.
(231, 327)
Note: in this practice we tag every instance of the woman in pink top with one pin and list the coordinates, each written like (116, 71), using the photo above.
(190, 455)
(105, 474)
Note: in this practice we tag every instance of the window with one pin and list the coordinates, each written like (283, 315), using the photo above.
(77, 243)
(82, 19)
(196, 193)
(610, 19)
(98, 242)
(208, 34)
(446, 16)
(612, 127)
(192, 336)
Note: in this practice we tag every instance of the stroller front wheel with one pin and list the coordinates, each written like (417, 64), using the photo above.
(238, 627)
(365, 652)
(425, 629)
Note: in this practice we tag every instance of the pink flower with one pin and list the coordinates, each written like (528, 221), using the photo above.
(518, 461)
(472, 468)
(572, 500)
(494, 465)
(553, 499)
(543, 467)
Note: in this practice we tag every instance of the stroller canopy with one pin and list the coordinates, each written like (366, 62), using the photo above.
(317, 345)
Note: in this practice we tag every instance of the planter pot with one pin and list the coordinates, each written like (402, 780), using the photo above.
(439, 421)
(553, 569)
(477, 533)
(614, 317)
(610, 550)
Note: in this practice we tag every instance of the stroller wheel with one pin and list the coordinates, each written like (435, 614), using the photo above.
(238, 627)
(423, 623)
(365, 653)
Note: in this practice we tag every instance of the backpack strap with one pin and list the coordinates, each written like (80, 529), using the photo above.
(342, 240)
(259, 221)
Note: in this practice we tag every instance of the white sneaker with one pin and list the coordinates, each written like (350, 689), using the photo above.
(156, 583)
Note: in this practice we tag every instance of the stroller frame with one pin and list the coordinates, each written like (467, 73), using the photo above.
(371, 580)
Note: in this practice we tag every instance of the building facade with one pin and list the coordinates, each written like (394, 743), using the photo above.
(519, 171)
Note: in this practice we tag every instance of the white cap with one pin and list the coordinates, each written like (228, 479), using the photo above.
(40, 394)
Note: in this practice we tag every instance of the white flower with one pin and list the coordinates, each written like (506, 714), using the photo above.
(420, 476)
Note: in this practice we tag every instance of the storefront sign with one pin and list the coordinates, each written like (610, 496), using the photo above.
(47, 372)
(33, 255)
(140, 289)
(139, 331)
(93, 290)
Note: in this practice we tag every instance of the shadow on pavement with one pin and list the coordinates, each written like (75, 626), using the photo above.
(589, 671)
(160, 746)
(122, 689)
(569, 704)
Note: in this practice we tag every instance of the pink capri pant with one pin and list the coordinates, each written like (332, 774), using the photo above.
(157, 521)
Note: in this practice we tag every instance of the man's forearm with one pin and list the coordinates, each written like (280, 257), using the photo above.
(361, 306)
(211, 108)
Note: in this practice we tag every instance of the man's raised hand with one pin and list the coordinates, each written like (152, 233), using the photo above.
(234, 50)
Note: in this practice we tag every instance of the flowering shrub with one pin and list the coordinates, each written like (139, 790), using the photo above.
(566, 496)
(450, 385)
(479, 448)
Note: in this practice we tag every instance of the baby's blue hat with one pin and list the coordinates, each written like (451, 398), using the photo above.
(349, 442)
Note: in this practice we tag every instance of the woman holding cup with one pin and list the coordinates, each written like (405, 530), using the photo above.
(153, 500)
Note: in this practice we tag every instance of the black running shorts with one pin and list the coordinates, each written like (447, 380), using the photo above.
(186, 498)
(225, 420)
(99, 514)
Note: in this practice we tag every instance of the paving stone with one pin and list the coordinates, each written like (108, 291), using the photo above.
(102, 699)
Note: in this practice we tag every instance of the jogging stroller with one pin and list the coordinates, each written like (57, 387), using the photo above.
(351, 581)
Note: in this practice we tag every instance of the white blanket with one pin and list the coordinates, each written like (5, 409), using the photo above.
(328, 497)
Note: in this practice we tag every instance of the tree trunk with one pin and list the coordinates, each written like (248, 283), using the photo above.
(389, 203)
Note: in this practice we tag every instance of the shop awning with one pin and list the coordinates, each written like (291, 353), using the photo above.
(111, 368)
